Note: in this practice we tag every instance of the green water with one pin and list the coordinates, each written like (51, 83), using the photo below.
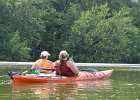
(124, 84)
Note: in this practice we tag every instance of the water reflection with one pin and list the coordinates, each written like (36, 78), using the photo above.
(59, 91)
(124, 86)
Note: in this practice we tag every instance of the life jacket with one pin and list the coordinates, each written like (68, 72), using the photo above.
(66, 71)
(43, 63)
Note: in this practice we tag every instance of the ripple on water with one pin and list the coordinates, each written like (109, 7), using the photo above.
(5, 82)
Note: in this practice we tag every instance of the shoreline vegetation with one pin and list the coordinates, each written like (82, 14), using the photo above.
(97, 65)
(96, 31)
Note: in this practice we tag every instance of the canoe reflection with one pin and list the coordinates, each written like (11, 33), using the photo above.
(56, 90)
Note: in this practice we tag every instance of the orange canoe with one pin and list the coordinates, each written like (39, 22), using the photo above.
(44, 78)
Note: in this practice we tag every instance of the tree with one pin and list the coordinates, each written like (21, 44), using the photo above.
(26, 18)
(18, 50)
(4, 29)
(97, 38)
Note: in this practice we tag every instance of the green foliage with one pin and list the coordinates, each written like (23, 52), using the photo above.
(18, 50)
(90, 30)
(26, 18)
(101, 39)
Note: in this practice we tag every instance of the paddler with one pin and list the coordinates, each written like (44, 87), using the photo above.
(65, 66)
(43, 63)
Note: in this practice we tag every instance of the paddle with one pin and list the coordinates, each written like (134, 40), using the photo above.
(25, 72)
(90, 70)
(52, 69)
(38, 70)
(49, 69)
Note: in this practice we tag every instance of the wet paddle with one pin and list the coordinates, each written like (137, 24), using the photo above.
(90, 70)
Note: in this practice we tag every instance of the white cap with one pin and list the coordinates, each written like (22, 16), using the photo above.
(64, 53)
(44, 53)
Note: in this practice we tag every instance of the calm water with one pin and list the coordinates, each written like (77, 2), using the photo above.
(124, 84)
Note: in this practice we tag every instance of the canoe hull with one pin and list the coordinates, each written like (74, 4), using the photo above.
(83, 76)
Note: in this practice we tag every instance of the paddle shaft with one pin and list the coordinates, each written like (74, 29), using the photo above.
(52, 69)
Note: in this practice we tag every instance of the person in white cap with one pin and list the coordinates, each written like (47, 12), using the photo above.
(43, 62)
(65, 66)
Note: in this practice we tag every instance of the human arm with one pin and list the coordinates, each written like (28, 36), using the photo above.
(51, 64)
(34, 65)
(73, 67)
